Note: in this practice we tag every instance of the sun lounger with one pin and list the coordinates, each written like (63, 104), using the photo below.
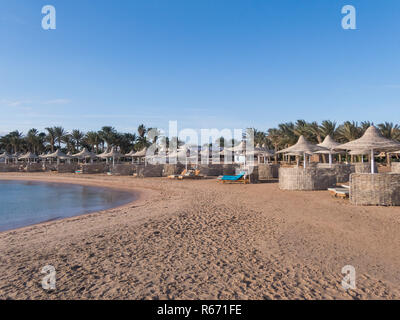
(191, 174)
(176, 176)
(240, 178)
(339, 192)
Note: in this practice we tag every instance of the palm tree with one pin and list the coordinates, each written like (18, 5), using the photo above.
(301, 128)
(33, 140)
(314, 132)
(77, 137)
(289, 134)
(92, 138)
(327, 128)
(59, 133)
(274, 135)
(142, 130)
(68, 141)
(349, 131)
(389, 131)
(5, 143)
(260, 137)
(15, 140)
(51, 138)
(364, 125)
(108, 134)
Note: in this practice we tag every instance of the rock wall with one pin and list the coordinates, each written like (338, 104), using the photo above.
(172, 169)
(379, 189)
(123, 169)
(67, 168)
(149, 170)
(93, 168)
(9, 167)
(342, 170)
(364, 167)
(268, 171)
(298, 178)
(34, 167)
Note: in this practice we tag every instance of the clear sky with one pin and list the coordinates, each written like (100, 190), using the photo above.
(204, 63)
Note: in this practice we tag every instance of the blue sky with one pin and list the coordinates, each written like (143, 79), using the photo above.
(206, 64)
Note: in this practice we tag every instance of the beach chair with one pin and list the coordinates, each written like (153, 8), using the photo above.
(176, 176)
(339, 192)
(240, 178)
(191, 174)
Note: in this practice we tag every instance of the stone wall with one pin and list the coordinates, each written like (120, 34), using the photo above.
(50, 166)
(213, 170)
(298, 178)
(149, 170)
(379, 189)
(342, 170)
(229, 169)
(122, 169)
(172, 169)
(364, 167)
(268, 171)
(67, 168)
(9, 167)
(395, 166)
(34, 167)
(93, 168)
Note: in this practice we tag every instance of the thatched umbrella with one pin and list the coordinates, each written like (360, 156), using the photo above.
(6, 156)
(103, 155)
(303, 147)
(240, 148)
(260, 152)
(361, 153)
(114, 154)
(59, 155)
(84, 154)
(330, 145)
(130, 155)
(28, 156)
(15, 156)
(372, 140)
(138, 154)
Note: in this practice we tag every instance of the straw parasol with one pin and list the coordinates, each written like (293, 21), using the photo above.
(28, 156)
(372, 140)
(58, 155)
(260, 152)
(302, 147)
(44, 155)
(114, 154)
(241, 147)
(84, 154)
(6, 156)
(330, 145)
(137, 154)
(103, 155)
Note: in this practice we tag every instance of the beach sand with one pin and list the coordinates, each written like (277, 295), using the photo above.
(205, 240)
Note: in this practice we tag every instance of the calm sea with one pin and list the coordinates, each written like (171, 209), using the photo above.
(24, 203)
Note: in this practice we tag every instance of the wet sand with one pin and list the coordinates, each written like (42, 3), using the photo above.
(205, 240)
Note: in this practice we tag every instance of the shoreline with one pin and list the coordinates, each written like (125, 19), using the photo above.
(137, 195)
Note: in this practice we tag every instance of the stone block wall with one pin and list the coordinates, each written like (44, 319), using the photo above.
(298, 178)
(268, 171)
(379, 189)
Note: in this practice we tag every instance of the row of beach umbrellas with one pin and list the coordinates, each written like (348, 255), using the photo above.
(372, 141)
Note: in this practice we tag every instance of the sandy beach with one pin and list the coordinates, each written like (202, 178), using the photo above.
(204, 240)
